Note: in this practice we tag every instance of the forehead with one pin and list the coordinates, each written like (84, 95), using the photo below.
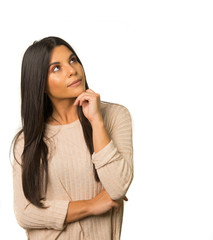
(60, 53)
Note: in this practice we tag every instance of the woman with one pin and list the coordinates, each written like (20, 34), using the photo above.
(73, 156)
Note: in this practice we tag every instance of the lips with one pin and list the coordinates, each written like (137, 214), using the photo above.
(78, 80)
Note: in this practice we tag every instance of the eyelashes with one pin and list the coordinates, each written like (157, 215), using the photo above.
(73, 59)
(57, 67)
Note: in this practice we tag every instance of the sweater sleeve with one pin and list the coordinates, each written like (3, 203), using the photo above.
(114, 162)
(28, 215)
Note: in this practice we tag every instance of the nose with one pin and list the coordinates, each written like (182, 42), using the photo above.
(70, 70)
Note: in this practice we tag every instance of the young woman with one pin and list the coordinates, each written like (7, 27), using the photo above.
(74, 155)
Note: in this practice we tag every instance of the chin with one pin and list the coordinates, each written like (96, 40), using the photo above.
(81, 89)
(78, 91)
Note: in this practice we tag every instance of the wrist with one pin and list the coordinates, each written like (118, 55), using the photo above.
(98, 121)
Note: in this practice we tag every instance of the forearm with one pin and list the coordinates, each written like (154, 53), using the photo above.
(78, 210)
(98, 205)
(114, 163)
(116, 174)
(99, 134)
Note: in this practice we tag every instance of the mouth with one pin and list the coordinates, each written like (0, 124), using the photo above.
(77, 82)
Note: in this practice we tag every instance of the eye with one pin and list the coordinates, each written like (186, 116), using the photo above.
(73, 60)
(56, 68)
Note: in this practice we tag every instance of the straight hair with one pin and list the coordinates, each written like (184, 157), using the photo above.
(36, 108)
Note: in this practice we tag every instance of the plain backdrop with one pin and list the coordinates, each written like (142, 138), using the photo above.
(155, 58)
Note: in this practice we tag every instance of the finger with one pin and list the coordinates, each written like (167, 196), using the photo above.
(83, 99)
(117, 209)
(77, 100)
(80, 97)
(125, 198)
(94, 93)
(90, 97)
(118, 205)
(90, 90)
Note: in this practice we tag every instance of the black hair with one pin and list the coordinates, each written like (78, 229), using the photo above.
(36, 108)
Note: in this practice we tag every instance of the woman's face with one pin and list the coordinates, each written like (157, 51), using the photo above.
(64, 69)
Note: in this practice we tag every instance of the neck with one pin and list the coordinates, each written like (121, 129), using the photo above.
(64, 111)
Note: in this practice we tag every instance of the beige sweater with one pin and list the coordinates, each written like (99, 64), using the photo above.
(71, 178)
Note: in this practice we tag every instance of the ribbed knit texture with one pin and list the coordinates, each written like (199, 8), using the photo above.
(71, 178)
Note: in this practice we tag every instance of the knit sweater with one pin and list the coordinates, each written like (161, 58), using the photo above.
(71, 178)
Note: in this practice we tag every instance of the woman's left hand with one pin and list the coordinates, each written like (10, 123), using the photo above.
(90, 102)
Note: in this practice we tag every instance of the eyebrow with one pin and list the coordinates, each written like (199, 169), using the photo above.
(59, 62)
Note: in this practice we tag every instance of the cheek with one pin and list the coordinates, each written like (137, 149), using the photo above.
(54, 85)
(81, 72)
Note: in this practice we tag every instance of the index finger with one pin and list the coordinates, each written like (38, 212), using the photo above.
(90, 90)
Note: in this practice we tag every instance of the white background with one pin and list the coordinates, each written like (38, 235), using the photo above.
(155, 58)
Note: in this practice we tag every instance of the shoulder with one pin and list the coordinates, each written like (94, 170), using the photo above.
(115, 115)
(113, 109)
(19, 142)
(18, 146)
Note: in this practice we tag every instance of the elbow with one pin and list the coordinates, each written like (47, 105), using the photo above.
(20, 214)
(120, 191)
(21, 220)
(126, 186)
(38, 219)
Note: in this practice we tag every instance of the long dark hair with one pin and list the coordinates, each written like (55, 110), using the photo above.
(36, 108)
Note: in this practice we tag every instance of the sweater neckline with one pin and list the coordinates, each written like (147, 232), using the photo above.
(69, 125)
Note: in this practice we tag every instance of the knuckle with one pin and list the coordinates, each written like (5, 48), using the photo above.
(111, 202)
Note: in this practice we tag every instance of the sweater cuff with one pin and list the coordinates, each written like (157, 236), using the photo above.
(58, 214)
(105, 155)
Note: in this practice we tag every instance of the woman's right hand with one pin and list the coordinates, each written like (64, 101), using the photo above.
(102, 203)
